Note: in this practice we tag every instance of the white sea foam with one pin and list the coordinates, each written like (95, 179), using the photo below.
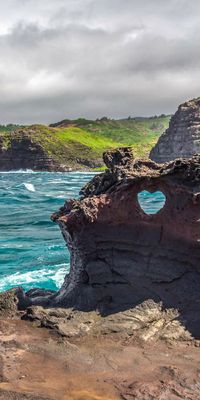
(84, 172)
(58, 278)
(32, 278)
(30, 171)
(19, 171)
(30, 187)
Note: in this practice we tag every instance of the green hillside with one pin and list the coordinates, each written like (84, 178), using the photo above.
(80, 143)
(140, 133)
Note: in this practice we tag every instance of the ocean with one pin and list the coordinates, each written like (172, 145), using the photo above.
(32, 250)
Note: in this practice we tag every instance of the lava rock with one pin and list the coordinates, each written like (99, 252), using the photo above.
(120, 256)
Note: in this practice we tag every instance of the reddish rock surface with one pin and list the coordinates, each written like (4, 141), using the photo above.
(120, 256)
(37, 364)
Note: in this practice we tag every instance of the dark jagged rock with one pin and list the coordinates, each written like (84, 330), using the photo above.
(120, 256)
(118, 158)
(182, 138)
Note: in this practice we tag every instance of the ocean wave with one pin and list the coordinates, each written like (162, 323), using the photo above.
(29, 186)
(19, 171)
(30, 171)
(33, 252)
(32, 278)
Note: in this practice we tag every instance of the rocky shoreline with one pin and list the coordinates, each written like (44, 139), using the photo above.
(125, 323)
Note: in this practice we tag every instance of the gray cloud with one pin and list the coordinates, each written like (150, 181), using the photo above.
(91, 58)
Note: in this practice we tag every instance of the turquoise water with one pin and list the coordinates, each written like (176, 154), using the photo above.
(32, 250)
(151, 203)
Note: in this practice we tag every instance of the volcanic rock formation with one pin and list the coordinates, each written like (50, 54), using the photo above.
(122, 257)
(182, 138)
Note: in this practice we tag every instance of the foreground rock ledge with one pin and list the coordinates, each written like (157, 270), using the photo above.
(37, 364)
(122, 257)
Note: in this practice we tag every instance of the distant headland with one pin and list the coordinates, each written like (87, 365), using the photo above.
(75, 144)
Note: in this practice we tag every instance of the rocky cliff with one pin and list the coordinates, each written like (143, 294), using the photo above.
(182, 138)
(21, 152)
(41, 148)
(120, 256)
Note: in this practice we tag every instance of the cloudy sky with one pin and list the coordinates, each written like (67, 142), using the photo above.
(69, 58)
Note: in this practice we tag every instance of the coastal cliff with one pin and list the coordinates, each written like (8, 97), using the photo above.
(24, 153)
(41, 148)
(182, 138)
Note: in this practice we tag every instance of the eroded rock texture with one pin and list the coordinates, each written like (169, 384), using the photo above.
(182, 138)
(122, 257)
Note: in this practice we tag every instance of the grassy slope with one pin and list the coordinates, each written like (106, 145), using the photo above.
(141, 134)
(73, 142)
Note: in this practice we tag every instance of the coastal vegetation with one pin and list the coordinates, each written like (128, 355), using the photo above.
(80, 143)
(140, 133)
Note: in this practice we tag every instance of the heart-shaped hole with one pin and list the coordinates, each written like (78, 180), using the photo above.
(151, 203)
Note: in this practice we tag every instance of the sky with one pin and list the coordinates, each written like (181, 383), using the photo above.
(93, 58)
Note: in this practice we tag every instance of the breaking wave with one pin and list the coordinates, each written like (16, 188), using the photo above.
(32, 250)
(40, 278)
